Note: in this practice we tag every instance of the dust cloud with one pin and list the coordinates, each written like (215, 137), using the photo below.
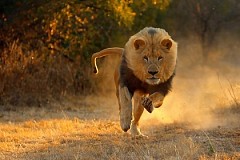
(203, 101)
(204, 94)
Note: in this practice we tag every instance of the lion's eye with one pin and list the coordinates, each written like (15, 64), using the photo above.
(145, 58)
(160, 58)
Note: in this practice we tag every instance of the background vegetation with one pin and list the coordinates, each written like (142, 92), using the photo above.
(45, 46)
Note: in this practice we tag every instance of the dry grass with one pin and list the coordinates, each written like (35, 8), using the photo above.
(35, 77)
(77, 129)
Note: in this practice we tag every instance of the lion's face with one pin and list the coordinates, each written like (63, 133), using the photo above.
(152, 55)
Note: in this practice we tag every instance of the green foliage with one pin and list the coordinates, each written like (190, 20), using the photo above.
(83, 27)
(149, 13)
(71, 27)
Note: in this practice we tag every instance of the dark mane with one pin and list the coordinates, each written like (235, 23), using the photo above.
(133, 83)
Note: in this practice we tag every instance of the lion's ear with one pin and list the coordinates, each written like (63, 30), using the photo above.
(167, 43)
(139, 43)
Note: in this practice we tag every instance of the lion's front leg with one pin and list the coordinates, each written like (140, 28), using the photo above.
(155, 100)
(125, 102)
(137, 113)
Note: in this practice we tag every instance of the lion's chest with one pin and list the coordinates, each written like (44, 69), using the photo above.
(134, 84)
(129, 80)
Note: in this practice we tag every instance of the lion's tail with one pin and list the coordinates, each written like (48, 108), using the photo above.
(103, 53)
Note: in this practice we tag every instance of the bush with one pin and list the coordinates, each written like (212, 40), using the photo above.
(34, 79)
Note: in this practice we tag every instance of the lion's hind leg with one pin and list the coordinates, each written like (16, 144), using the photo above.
(137, 113)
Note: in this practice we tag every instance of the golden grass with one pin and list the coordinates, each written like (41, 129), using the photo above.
(33, 136)
(70, 137)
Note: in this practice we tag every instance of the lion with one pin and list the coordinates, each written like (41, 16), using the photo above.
(144, 74)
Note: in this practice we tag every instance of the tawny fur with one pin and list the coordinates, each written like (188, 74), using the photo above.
(144, 74)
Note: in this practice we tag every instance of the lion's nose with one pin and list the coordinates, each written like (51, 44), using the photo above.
(153, 72)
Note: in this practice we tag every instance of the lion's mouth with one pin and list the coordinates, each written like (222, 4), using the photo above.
(153, 81)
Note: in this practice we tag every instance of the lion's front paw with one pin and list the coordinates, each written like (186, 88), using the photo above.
(147, 104)
(125, 123)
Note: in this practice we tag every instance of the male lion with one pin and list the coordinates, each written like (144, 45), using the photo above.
(144, 74)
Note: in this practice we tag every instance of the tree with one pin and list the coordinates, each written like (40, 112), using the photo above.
(205, 18)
